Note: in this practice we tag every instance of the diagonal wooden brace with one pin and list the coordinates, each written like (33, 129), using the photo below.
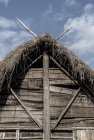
(62, 69)
(26, 109)
(67, 107)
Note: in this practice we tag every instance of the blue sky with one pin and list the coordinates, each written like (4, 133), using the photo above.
(52, 16)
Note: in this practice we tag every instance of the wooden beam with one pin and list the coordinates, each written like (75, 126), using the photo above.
(26, 128)
(40, 137)
(26, 109)
(8, 138)
(38, 130)
(67, 107)
(46, 125)
(17, 134)
(31, 138)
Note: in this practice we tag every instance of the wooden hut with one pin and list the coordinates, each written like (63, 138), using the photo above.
(46, 92)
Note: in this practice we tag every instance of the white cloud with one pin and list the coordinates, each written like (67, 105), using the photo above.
(7, 23)
(88, 7)
(10, 36)
(4, 2)
(71, 2)
(81, 38)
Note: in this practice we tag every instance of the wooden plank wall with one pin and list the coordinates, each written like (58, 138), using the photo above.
(31, 93)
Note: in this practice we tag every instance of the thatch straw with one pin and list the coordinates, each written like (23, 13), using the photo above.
(24, 54)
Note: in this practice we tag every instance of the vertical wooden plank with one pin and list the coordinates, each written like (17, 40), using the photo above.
(17, 134)
(83, 135)
(46, 124)
(75, 135)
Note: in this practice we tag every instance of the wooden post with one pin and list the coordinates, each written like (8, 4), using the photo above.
(46, 124)
(17, 134)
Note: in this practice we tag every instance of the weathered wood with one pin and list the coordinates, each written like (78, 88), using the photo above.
(56, 99)
(60, 94)
(38, 74)
(21, 128)
(32, 83)
(26, 109)
(67, 107)
(62, 69)
(58, 82)
(83, 135)
(17, 134)
(35, 104)
(29, 84)
(80, 122)
(40, 130)
(73, 112)
(61, 89)
(65, 72)
(70, 122)
(31, 138)
(20, 74)
(8, 138)
(46, 123)
(40, 137)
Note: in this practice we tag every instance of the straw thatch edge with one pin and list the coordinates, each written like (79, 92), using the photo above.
(24, 54)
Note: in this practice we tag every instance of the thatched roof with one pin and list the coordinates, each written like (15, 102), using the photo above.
(22, 56)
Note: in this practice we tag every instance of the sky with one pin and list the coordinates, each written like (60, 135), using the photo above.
(49, 16)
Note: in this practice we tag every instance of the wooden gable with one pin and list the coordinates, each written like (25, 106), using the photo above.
(45, 103)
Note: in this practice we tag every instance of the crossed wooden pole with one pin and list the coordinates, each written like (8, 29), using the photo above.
(35, 35)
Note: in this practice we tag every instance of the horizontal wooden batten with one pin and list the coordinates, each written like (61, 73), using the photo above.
(20, 114)
(64, 121)
(27, 123)
(28, 129)
(36, 105)
(29, 82)
(8, 138)
(55, 112)
(61, 82)
(74, 112)
(74, 122)
(61, 89)
(55, 101)
(38, 83)
(54, 137)
(21, 124)
(37, 74)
